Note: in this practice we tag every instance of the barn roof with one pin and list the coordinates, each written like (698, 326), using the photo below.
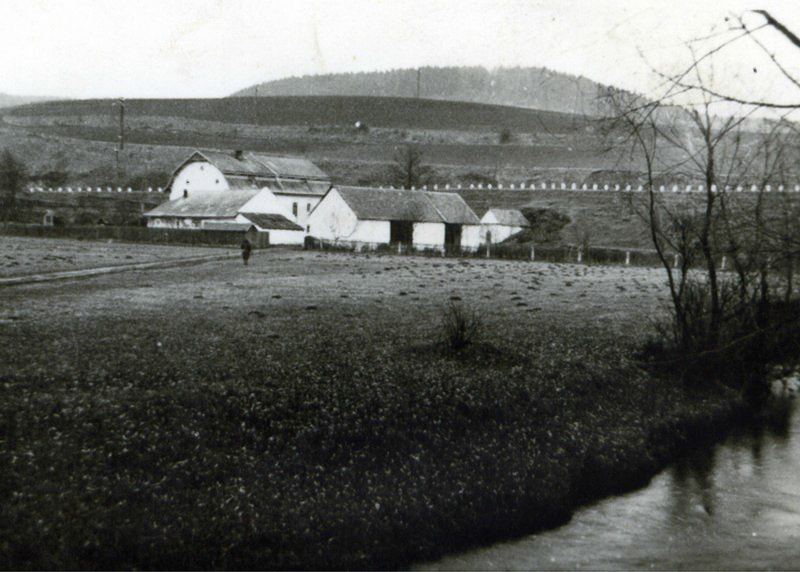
(272, 221)
(369, 203)
(510, 217)
(292, 187)
(252, 164)
(205, 205)
(260, 168)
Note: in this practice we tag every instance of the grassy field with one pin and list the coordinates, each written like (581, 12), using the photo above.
(20, 256)
(302, 412)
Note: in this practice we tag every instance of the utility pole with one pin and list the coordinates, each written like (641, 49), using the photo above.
(121, 137)
(255, 105)
(419, 73)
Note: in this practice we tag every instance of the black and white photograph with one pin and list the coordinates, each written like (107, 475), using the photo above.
(424, 285)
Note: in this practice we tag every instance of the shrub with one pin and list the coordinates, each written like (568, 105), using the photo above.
(754, 337)
(461, 325)
(505, 136)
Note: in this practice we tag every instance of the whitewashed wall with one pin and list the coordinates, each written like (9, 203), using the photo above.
(332, 219)
(470, 236)
(198, 176)
(286, 236)
(305, 204)
(499, 232)
(428, 235)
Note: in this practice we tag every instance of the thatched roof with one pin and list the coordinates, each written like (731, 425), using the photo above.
(210, 204)
(369, 203)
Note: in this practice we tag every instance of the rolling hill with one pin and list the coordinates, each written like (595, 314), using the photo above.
(533, 88)
(392, 112)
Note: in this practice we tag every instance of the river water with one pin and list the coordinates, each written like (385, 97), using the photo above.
(730, 505)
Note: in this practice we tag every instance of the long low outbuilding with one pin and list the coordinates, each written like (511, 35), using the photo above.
(226, 211)
(499, 224)
(371, 216)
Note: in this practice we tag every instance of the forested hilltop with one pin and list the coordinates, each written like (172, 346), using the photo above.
(537, 88)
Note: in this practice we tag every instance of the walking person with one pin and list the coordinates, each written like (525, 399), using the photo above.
(246, 248)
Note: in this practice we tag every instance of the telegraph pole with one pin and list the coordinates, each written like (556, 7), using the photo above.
(121, 137)
(419, 73)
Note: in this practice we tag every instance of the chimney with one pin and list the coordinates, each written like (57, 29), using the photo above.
(239, 154)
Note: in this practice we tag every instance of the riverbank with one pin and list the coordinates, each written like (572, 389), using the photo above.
(302, 413)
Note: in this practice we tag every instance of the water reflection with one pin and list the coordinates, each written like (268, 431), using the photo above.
(734, 505)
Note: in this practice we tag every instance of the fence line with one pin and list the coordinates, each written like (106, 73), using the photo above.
(564, 186)
(127, 233)
(93, 190)
(604, 187)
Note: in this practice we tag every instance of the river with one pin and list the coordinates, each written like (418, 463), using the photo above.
(730, 505)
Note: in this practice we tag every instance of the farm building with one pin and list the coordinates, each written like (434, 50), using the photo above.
(370, 216)
(498, 224)
(212, 210)
(296, 183)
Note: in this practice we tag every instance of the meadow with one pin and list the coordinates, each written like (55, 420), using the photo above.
(305, 412)
(20, 256)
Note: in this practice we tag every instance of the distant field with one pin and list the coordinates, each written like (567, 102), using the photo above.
(326, 110)
(23, 256)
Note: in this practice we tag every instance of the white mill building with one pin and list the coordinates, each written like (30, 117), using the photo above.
(212, 187)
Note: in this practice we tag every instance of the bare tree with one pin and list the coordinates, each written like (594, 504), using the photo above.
(719, 317)
(13, 175)
(408, 169)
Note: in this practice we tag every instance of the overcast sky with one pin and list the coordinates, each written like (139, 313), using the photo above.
(211, 48)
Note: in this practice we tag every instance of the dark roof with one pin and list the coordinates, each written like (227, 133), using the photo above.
(260, 170)
(369, 203)
(291, 187)
(210, 204)
(261, 165)
(272, 221)
(510, 217)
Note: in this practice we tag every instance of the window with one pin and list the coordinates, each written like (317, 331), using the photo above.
(185, 193)
(308, 228)
(294, 210)
(308, 207)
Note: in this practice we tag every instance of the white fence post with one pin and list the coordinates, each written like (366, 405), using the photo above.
(628, 258)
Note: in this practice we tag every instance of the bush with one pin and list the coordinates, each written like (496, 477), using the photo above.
(753, 339)
(461, 324)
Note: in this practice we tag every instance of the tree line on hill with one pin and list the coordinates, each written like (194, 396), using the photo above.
(530, 87)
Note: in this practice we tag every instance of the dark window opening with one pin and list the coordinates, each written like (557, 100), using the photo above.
(452, 237)
(308, 207)
(185, 193)
(294, 210)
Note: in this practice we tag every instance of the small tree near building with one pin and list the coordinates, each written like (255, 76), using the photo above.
(13, 175)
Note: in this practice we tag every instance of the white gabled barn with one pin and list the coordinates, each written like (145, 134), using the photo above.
(370, 216)
(499, 224)
(296, 183)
